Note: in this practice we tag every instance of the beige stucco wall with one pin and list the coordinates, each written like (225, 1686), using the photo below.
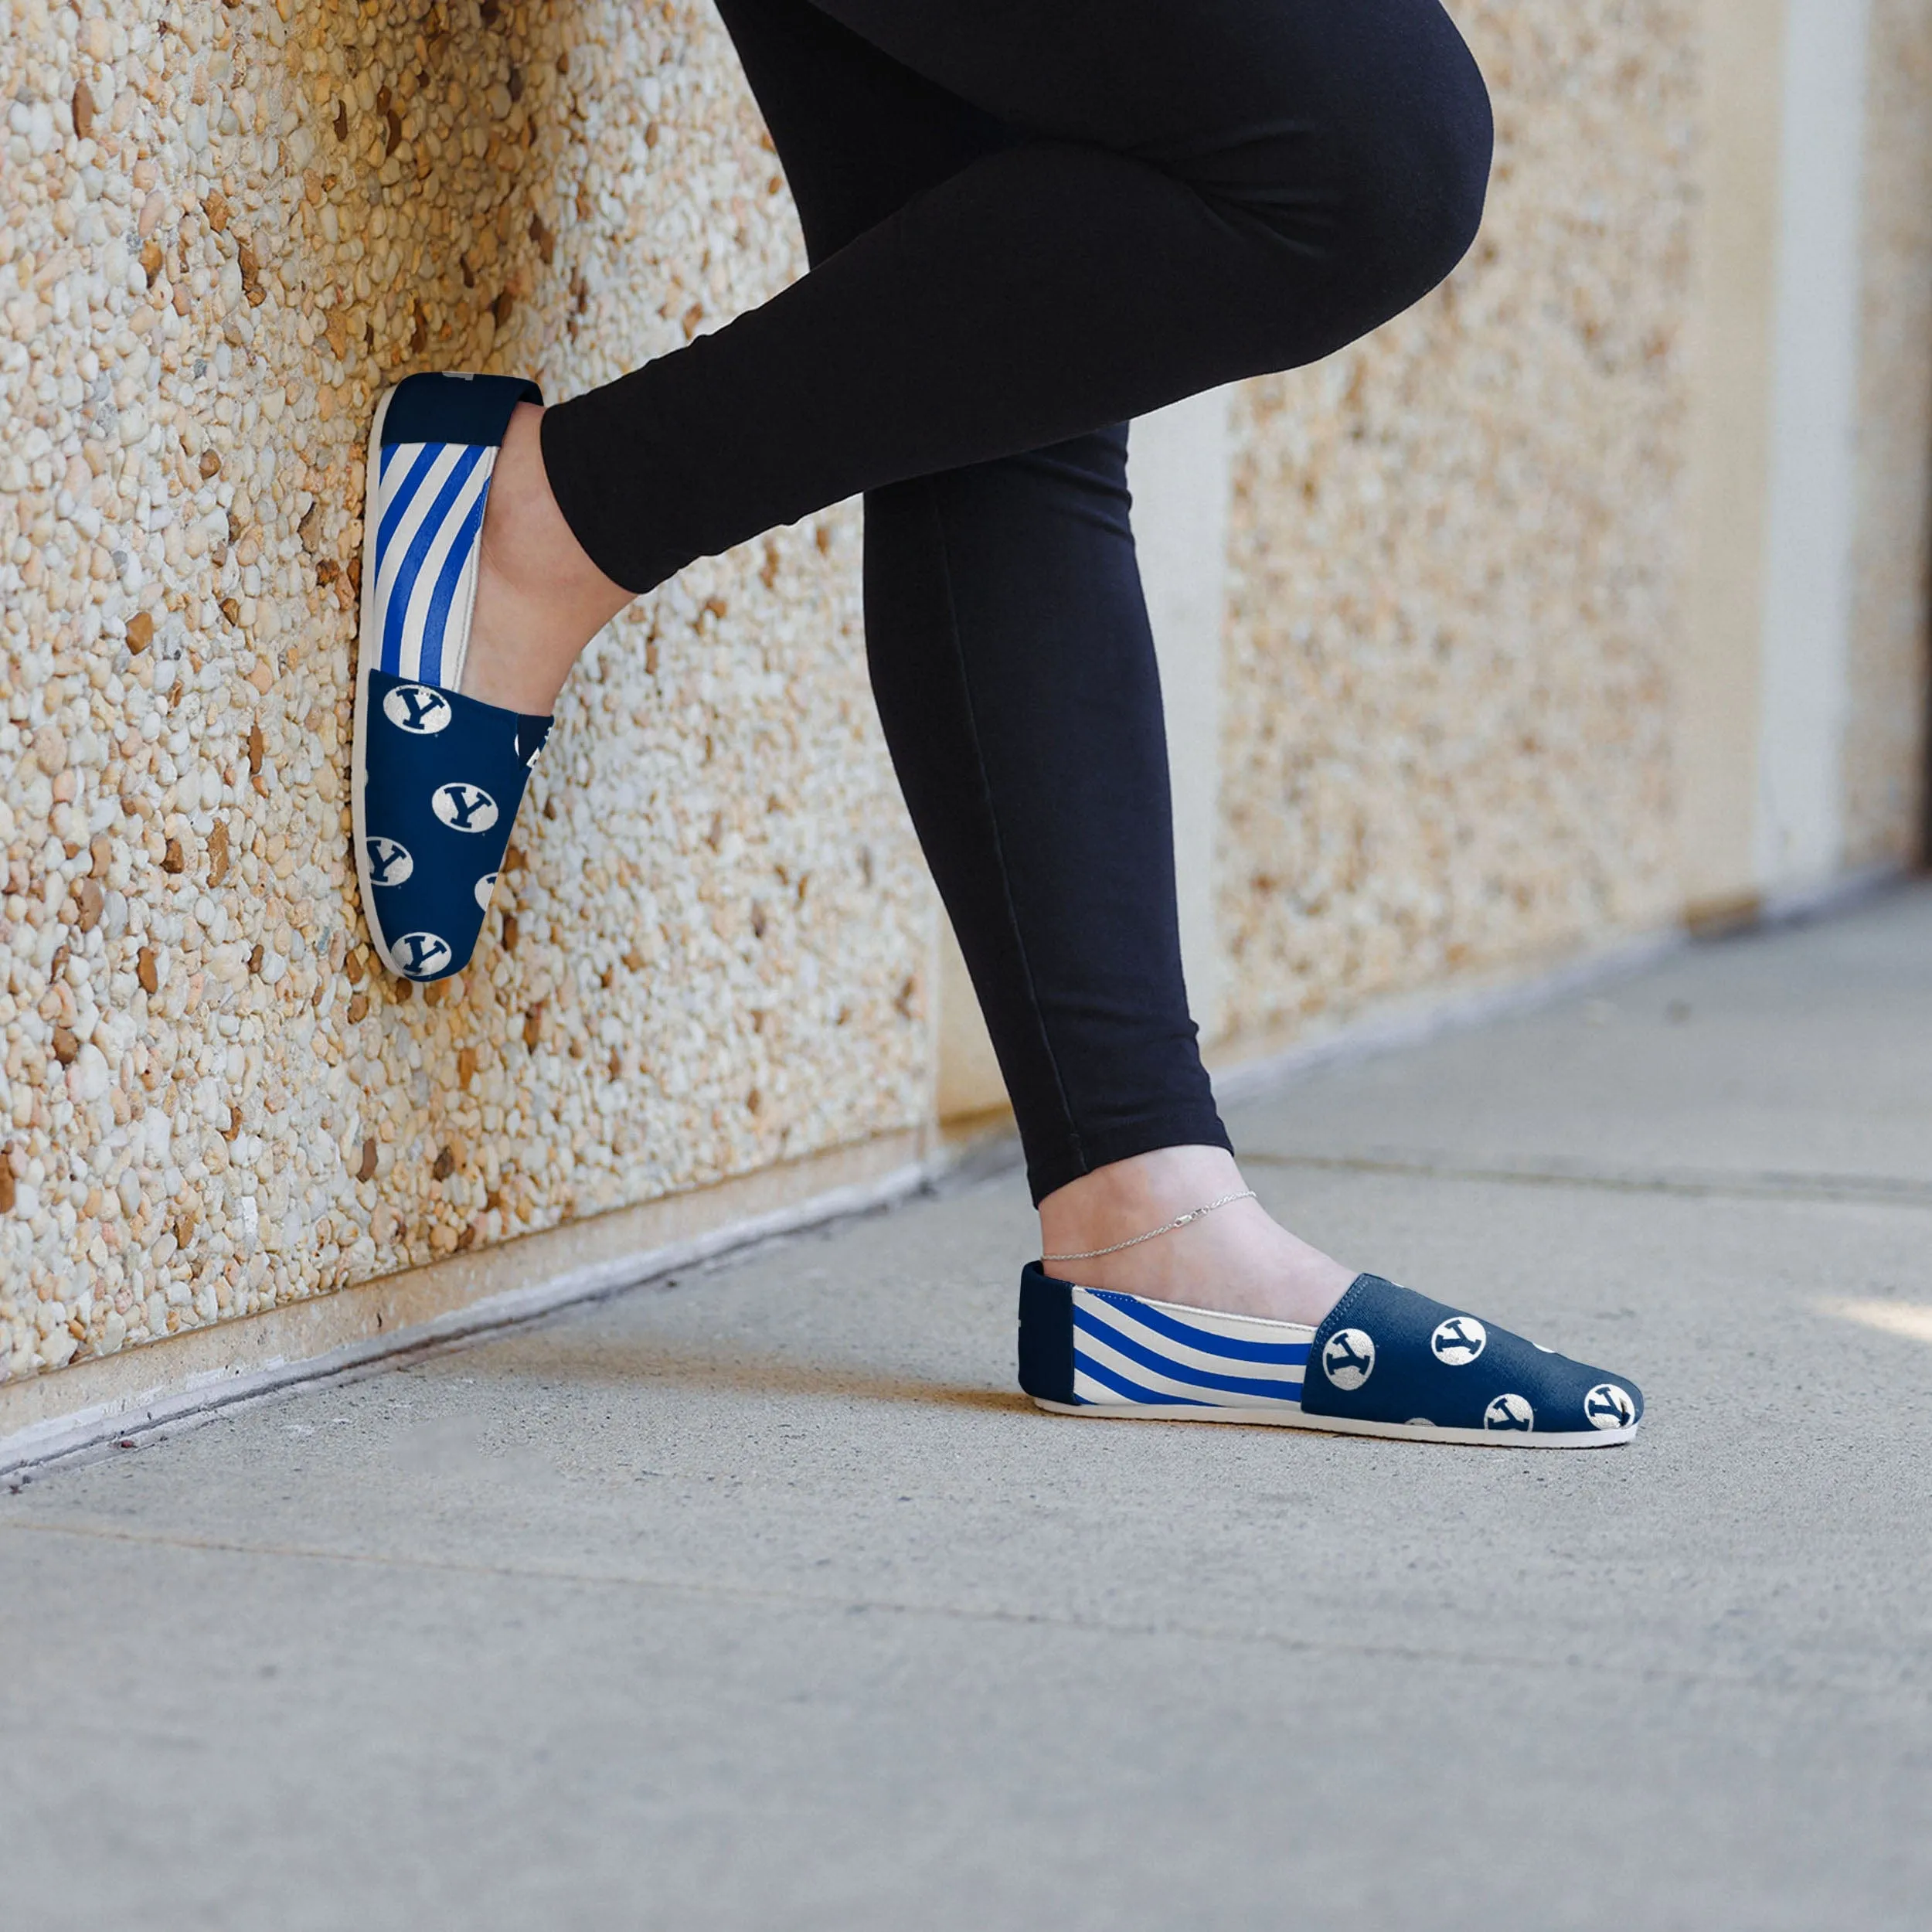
(721, 932)
(1457, 562)
(1885, 752)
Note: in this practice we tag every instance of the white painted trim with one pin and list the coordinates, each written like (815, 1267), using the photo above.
(1811, 514)
(1180, 464)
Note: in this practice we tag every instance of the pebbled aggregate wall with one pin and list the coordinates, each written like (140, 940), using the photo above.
(1455, 563)
(224, 228)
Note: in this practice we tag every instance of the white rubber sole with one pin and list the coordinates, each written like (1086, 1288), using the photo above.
(366, 641)
(1346, 1425)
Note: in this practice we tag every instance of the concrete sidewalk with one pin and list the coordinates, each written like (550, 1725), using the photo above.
(763, 1601)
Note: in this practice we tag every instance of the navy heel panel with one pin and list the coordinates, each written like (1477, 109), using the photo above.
(1045, 1336)
(437, 408)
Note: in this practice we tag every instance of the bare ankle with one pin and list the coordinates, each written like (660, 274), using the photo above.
(1237, 1258)
(1126, 1197)
(540, 599)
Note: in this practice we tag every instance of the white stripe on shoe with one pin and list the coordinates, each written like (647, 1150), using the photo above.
(412, 482)
(1126, 1349)
(429, 518)
(432, 648)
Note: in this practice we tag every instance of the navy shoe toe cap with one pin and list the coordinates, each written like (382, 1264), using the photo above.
(1386, 1354)
(443, 777)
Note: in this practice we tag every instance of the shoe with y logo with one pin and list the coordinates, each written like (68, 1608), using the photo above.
(438, 776)
(1384, 1361)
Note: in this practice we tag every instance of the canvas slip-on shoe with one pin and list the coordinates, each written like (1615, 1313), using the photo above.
(437, 776)
(1384, 1361)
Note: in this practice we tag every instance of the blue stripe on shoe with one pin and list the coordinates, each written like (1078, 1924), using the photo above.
(455, 562)
(397, 507)
(1084, 1364)
(1292, 1355)
(1175, 1370)
(403, 587)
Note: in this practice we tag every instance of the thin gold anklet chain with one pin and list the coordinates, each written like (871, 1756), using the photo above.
(1154, 1234)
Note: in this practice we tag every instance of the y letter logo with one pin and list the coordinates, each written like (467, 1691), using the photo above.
(1457, 1341)
(1509, 1412)
(1349, 1358)
(422, 954)
(389, 862)
(417, 709)
(1608, 1406)
(464, 807)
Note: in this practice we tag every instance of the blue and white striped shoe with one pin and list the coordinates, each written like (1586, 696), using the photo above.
(438, 776)
(1385, 1362)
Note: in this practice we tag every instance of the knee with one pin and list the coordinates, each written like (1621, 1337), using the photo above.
(1377, 197)
(1433, 176)
(1415, 179)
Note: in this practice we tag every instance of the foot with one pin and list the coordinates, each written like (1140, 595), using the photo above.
(539, 599)
(1238, 1259)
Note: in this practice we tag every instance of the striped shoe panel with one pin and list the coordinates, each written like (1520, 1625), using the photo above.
(1126, 1349)
(400, 501)
(429, 517)
(1096, 1382)
(1225, 1338)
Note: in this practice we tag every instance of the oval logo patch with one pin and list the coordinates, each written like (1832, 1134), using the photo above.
(1608, 1406)
(463, 808)
(1349, 1358)
(424, 954)
(1458, 1341)
(390, 861)
(417, 708)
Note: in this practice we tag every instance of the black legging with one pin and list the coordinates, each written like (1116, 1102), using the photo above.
(1029, 220)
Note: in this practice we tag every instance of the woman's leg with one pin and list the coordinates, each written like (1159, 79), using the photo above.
(1007, 638)
(860, 135)
(1183, 191)
(1192, 191)
(1205, 189)
(1016, 681)
(1015, 677)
